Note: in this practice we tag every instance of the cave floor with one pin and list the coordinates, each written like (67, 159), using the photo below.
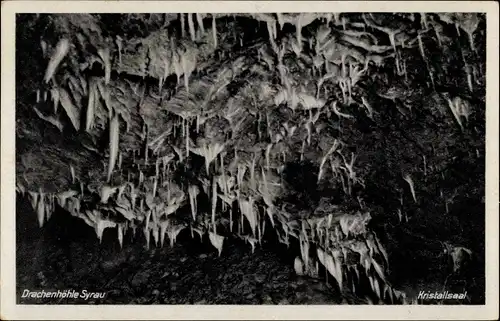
(135, 275)
(191, 272)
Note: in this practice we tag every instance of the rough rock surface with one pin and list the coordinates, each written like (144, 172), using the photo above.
(358, 141)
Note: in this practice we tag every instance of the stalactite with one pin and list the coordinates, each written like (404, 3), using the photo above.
(270, 30)
(421, 47)
(186, 134)
(155, 186)
(72, 172)
(217, 241)
(298, 30)
(183, 23)
(147, 235)
(114, 136)
(120, 160)
(252, 172)
(106, 59)
(120, 234)
(192, 30)
(62, 49)
(199, 19)
(173, 233)
(224, 181)
(280, 20)
(423, 21)
(193, 192)
(268, 153)
(469, 73)
(214, 203)
(40, 209)
(302, 150)
(214, 31)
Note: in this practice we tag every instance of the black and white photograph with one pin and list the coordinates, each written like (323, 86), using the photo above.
(254, 157)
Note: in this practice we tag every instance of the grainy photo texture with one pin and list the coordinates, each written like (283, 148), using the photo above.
(250, 158)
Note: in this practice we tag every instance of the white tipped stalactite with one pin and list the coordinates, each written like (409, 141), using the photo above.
(183, 24)
(40, 209)
(120, 234)
(186, 134)
(187, 63)
(73, 175)
(120, 160)
(114, 137)
(119, 44)
(192, 30)
(72, 111)
(253, 182)
(173, 232)
(199, 19)
(155, 231)
(217, 241)
(147, 235)
(214, 31)
(61, 50)
(214, 203)
(89, 121)
(298, 27)
(193, 192)
(279, 17)
(104, 54)
(54, 94)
